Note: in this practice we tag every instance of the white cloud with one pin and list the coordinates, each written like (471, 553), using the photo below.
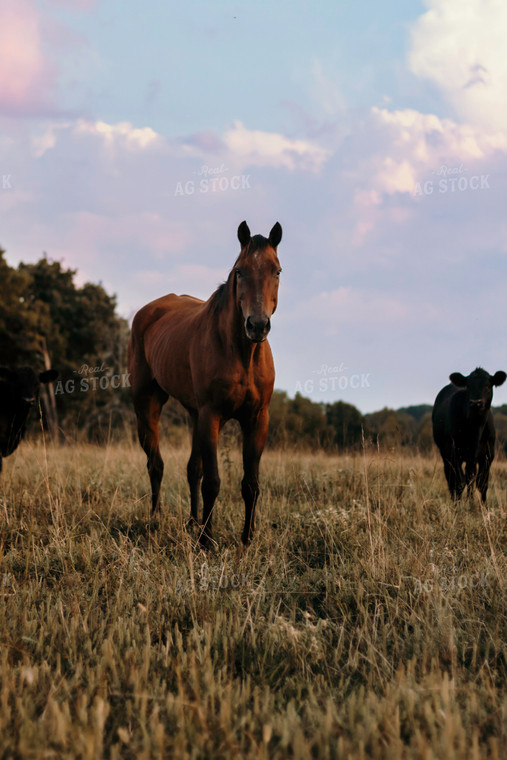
(420, 144)
(273, 149)
(40, 143)
(459, 45)
(123, 132)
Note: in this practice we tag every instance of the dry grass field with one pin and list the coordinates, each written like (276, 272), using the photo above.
(367, 619)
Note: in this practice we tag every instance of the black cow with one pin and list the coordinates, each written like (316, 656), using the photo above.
(19, 392)
(464, 430)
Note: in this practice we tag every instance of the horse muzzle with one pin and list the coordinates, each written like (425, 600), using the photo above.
(257, 329)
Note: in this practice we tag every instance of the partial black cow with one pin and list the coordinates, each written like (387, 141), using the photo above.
(19, 392)
(464, 430)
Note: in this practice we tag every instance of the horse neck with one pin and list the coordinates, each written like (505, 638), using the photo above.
(232, 331)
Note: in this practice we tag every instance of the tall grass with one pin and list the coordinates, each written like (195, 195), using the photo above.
(367, 618)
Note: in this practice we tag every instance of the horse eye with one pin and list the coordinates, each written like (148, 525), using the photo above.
(238, 273)
(278, 273)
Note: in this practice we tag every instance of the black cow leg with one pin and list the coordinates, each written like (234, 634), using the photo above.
(460, 479)
(460, 486)
(470, 476)
(450, 475)
(483, 478)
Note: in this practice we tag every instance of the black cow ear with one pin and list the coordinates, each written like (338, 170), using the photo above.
(458, 379)
(244, 235)
(48, 375)
(275, 235)
(499, 378)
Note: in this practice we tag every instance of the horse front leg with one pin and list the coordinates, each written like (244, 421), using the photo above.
(208, 428)
(254, 438)
(194, 472)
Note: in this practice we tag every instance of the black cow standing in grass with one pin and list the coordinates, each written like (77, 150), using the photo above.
(464, 430)
(19, 393)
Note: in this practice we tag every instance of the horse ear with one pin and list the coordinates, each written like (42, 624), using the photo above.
(458, 379)
(244, 236)
(499, 378)
(275, 235)
(48, 375)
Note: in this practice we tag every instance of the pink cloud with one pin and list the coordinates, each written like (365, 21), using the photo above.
(75, 5)
(27, 77)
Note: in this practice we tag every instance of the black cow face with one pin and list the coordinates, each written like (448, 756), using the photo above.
(19, 388)
(19, 392)
(479, 385)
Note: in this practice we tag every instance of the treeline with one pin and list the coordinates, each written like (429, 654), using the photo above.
(46, 320)
(340, 426)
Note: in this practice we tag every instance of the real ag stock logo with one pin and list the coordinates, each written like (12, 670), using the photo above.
(91, 379)
(452, 179)
(212, 179)
(335, 377)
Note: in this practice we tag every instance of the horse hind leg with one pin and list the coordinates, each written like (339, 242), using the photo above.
(194, 473)
(148, 407)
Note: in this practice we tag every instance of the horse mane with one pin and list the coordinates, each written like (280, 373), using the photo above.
(218, 300)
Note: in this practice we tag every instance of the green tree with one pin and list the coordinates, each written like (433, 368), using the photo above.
(500, 418)
(298, 421)
(424, 433)
(391, 429)
(19, 335)
(46, 320)
(347, 423)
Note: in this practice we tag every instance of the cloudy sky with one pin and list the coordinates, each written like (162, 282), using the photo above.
(135, 137)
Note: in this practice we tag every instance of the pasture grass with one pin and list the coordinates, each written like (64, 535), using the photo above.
(367, 618)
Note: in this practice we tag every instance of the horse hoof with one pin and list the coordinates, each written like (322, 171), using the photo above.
(191, 524)
(206, 542)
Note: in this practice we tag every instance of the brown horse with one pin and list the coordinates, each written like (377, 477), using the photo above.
(214, 358)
